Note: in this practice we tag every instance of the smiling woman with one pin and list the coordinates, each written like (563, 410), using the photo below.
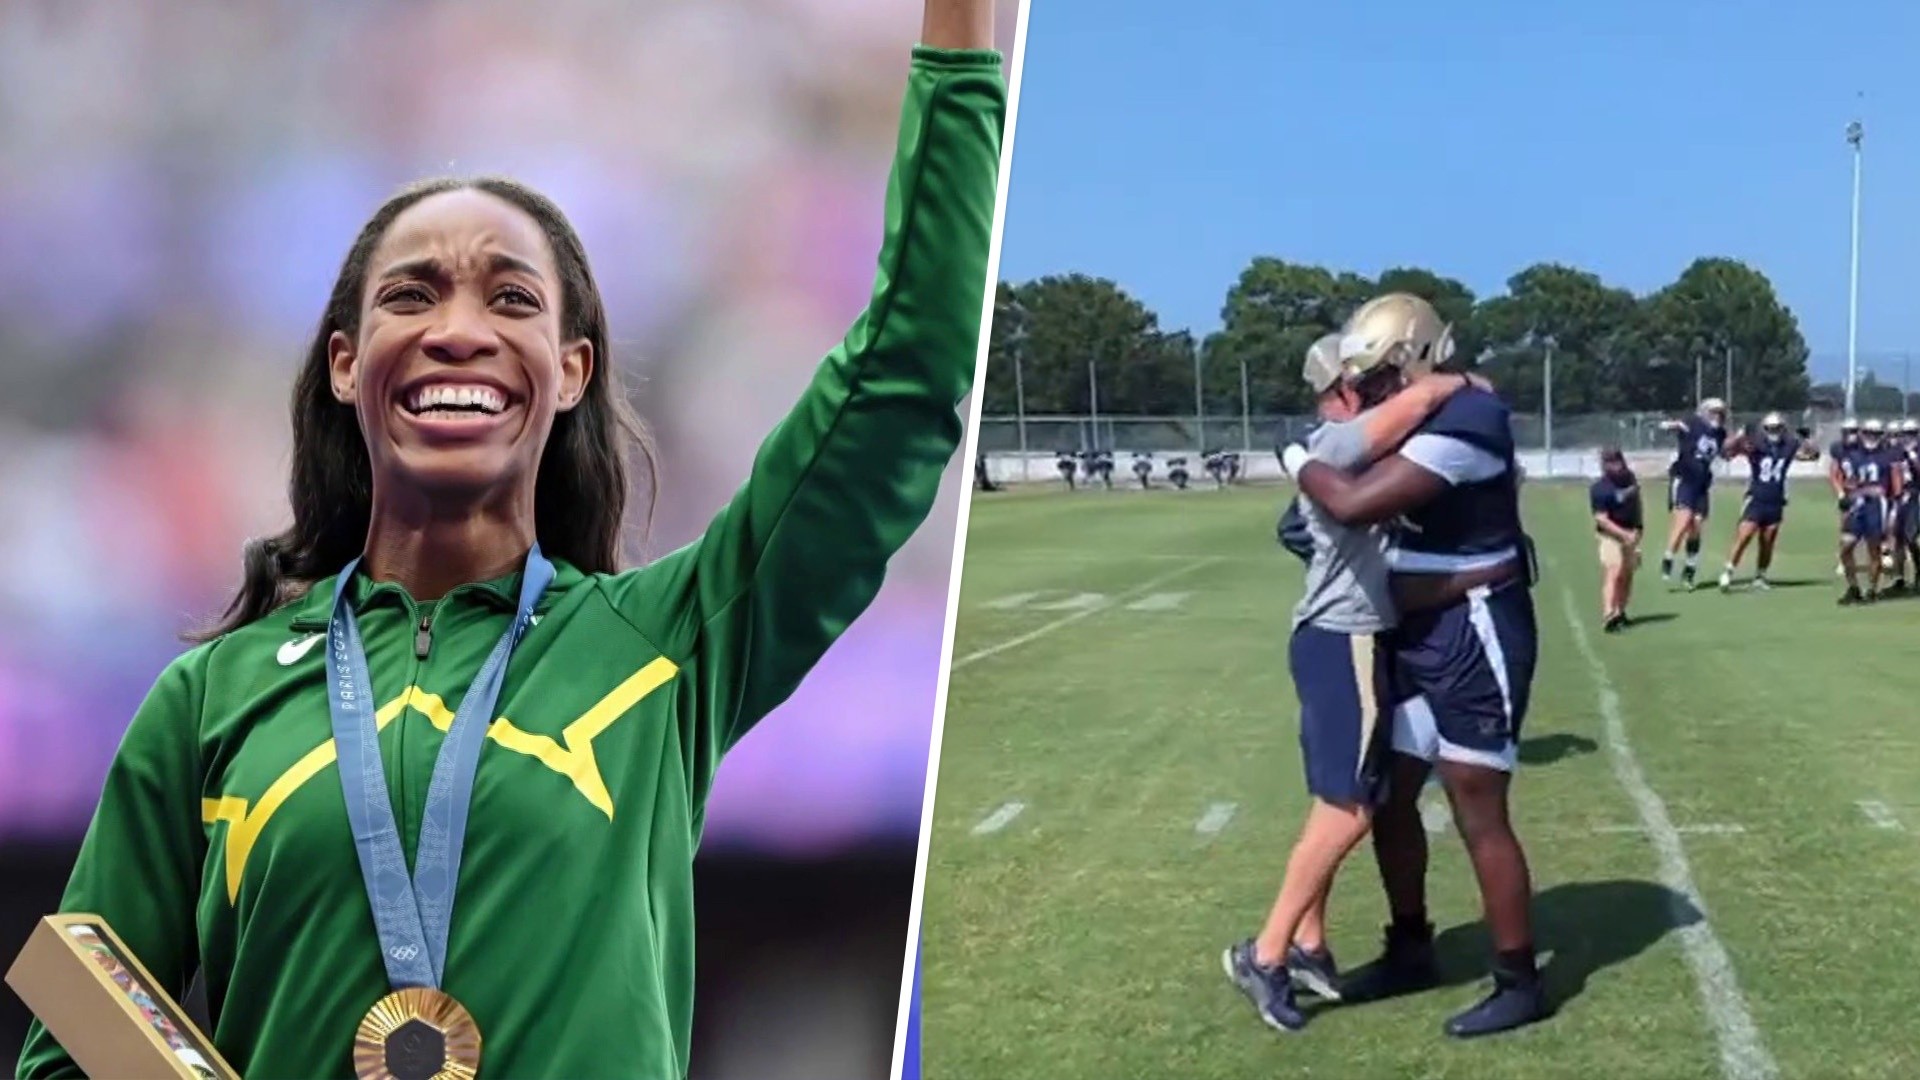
(481, 290)
(496, 710)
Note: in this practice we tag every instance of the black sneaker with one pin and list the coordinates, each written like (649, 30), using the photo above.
(1270, 989)
(1851, 597)
(1314, 972)
(1516, 1001)
(1614, 624)
(1405, 966)
(1898, 588)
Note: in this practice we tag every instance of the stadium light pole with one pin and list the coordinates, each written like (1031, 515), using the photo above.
(1199, 402)
(1246, 413)
(1093, 402)
(1017, 338)
(1729, 401)
(1855, 133)
(1546, 395)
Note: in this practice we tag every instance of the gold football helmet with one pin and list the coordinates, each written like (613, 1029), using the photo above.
(1323, 368)
(1399, 330)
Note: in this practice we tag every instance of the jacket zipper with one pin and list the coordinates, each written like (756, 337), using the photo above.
(422, 644)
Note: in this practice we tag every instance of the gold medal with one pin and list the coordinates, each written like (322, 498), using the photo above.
(417, 1034)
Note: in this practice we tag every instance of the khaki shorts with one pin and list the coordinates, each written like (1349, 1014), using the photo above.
(1616, 553)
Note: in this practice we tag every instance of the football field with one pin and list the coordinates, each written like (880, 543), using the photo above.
(1721, 807)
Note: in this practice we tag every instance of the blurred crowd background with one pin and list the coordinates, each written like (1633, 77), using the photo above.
(179, 181)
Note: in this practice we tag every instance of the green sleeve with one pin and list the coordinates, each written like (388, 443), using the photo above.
(139, 866)
(853, 470)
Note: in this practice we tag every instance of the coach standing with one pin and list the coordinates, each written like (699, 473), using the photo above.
(1615, 499)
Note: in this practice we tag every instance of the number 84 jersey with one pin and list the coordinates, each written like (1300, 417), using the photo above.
(1770, 460)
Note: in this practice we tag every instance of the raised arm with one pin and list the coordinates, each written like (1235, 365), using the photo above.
(850, 474)
(1391, 487)
(1390, 423)
(957, 24)
(139, 867)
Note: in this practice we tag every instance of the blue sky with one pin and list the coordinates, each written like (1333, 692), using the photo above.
(1163, 145)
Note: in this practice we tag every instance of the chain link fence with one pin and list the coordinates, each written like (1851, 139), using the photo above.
(1021, 450)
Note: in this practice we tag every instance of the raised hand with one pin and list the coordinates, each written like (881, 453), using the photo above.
(958, 24)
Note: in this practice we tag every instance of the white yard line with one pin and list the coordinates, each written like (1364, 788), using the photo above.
(1064, 620)
(1880, 814)
(1434, 813)
(1215, 819)
(1742, 1054)
(1160, 601)
(999, 819)
(1008, 603)
(1719, 830)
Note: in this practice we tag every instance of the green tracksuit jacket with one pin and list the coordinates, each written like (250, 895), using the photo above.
(221, 841)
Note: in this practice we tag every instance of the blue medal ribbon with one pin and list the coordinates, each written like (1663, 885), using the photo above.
(412, 913)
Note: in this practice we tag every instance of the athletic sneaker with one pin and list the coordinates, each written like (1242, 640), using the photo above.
(1270, 989)
(1314, 972)
(1760, 585)
(1852, 596)
(1726, 581)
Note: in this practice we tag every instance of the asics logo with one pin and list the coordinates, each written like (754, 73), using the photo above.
(292, 651)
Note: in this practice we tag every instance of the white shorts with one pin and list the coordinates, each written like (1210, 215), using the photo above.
(1416, 733)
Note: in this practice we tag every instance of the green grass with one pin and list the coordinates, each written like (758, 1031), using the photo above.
(1082, 940)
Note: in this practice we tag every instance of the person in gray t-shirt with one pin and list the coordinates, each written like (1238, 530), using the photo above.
(1340, 676)
(1346, 590)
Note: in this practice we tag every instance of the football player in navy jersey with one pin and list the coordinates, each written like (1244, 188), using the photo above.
(1871, 480)
(1840, 473)
(1066, 462)
(1615, 501)
(1341, 672)
(1700, 439)
(1464, 656)
(1770, 454)
(1903, 543)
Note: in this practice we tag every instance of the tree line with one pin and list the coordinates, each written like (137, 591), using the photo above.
(1613, 351)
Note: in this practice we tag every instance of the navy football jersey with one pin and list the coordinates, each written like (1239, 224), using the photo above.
(1871, 468)
(1699, 443)
(1475, 522)
(1619, 499)
(1842, 454)
(1770, 460)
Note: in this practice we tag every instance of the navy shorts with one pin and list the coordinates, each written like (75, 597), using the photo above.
(1867, 518)
(1343, 682)
(1463, 675)
(1688, 494)
(1763, 512)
